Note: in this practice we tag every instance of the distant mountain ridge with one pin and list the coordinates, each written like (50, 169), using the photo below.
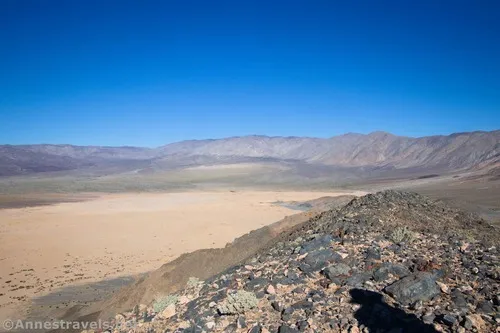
(458, 151)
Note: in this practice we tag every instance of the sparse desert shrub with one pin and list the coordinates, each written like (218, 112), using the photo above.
(238, 302)
(402, 234)
(193, 282)
(161, 302)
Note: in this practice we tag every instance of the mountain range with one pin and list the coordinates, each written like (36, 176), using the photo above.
(374, 151)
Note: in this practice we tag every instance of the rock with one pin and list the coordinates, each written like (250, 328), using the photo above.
(256, 329)
(464, 247)
(271, 290)
(418, 286)
(358, 279)
(210, 325)
(168, 312)
(241, 322)
(336, 270)
(321, 258)
(256, 284)
(474, 321)
(458, 299)
(183, 300)
(302, 325)
(319, 243)
(305, 304)
(417, 305)
(444, 288)
(354, 329)
(485, 307)
(287, 329)
(449, 320)
(278, 306)
(372, 254)
(343, 255)
(382, 273)
(428, 318)
(231, 328)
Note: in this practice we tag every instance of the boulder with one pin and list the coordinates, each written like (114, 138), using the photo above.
(420, 286)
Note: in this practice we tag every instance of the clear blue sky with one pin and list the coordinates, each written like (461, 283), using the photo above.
(152, 72)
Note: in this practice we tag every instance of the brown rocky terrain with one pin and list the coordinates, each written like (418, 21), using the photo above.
(386, 262)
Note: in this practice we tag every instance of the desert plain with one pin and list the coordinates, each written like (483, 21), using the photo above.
(94, 237)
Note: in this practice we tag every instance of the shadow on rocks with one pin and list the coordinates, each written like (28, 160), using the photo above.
(376, 315)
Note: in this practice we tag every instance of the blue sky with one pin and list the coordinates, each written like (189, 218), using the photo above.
(152, 72)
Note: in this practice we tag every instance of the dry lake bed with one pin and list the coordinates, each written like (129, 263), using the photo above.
(106, 236)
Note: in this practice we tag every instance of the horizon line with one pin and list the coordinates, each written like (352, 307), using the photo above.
(250, 135)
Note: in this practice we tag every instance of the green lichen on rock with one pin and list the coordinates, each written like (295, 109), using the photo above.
(238, 302)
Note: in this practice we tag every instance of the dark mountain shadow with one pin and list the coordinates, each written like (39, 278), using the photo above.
(379, 316)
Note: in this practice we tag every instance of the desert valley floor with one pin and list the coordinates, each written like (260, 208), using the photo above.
(105, 236)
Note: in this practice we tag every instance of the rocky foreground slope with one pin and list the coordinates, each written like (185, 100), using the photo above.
(386, 262)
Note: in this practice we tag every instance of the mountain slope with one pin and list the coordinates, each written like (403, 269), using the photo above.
(459, 151)
(456, 151)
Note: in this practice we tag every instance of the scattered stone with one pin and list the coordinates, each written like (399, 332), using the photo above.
(271, 290)
(428, 318)
(256, 329)
(373, 254)
(287, 329)
(241, 322)
(418, 286)
(183, 300)
(302, 325)
(168, 312)
(317, 260)
(485, 307)
(474, 321)
(444, 288)
(337, 270)
(458, 299)
(231, 328)
(383, 272)
(354, 329)
(358, 279)
(449, 320)
(278, 306)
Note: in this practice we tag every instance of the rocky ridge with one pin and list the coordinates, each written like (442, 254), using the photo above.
(386, 262)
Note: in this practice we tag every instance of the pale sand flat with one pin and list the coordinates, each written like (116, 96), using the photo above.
(48, 247)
